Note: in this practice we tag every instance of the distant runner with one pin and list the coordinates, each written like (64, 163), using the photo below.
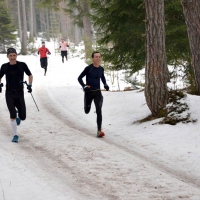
(14, 72)
(63, 47)
(94, 73)
(43, 51)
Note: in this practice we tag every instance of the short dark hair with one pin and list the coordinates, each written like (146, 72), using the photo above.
(11, 50)
(43, 42)
(94, 53)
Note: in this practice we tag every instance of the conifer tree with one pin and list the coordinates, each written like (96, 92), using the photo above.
(156, 73)
(177, 43)
(191, 10)
(80, 12)
(7, 29)
(120, 32)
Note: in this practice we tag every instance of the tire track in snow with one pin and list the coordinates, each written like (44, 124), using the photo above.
(67, 171)
(57, 112)
(51, 166)
(47, 163)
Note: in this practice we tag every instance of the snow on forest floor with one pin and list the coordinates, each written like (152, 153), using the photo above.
(58, 156)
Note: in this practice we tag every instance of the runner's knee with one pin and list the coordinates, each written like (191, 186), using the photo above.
(87, 109)
(22, 117)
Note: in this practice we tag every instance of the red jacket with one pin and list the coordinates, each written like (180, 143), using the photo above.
(43, 51)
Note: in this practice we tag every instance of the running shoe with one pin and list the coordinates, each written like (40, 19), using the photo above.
(15, 138)
(100, 133)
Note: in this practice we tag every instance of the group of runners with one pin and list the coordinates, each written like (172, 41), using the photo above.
(14, 94)
(44, 51)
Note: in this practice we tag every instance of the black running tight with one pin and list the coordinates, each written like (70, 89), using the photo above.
(15, 100)
(98, 101)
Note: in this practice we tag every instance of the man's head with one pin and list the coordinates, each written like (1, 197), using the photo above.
(12, 55)
(96, 57)
(11, 50)
(62, 39)
(43, 43)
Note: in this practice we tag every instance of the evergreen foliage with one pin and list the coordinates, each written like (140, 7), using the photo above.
(75, 10)
(72, 7)
(7, 29)
(177, 43)
(121, 29)
(121, 33)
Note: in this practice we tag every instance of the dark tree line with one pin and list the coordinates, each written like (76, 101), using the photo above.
(130, 34)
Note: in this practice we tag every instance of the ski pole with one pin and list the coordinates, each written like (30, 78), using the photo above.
(31, 95)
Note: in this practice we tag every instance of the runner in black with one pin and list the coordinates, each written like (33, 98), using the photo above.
(14, 72)
(94, 73)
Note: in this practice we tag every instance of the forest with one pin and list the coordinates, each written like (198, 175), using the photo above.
(131, 35)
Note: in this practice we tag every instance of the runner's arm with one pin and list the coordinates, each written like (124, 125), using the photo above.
(81, 77)
(30, 79)
(1, 75)
(103, 79)
(48, 52)
(28, 73)
(2, 72)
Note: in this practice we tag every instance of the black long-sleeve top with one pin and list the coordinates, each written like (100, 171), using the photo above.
(93, 75)
(14, 74)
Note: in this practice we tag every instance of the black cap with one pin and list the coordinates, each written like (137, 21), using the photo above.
(11, 50)
(43, 42)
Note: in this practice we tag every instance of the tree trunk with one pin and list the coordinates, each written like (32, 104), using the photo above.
(76, 35)
(31, 19)
(24, 33)
(7, 3)
(156, 73)
(47, 25)
(42, 21)
(191, 10)
(19, 21)
(87, 30)
(35, 24)
(64, 18)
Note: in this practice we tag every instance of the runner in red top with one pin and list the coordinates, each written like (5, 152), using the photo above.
(43, 51)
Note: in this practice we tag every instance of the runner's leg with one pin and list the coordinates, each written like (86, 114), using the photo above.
(41, 63)
(45, 64)
(87, 102)
(62, 54)
(21, 106)
(10, 101)
(98, 101)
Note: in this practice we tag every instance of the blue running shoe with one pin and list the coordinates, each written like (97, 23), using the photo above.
(15, 138)
(18, 120)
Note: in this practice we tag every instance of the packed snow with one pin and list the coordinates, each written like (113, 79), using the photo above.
(58, 156)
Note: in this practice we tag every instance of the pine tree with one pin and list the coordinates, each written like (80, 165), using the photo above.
(177, 43)
(156, 73)
(191, 10)
(7, 29)
(120, 32)
(80, 12)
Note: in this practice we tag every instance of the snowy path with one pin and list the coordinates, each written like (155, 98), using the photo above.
(58, 151)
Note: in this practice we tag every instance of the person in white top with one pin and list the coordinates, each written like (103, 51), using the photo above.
(63, 48)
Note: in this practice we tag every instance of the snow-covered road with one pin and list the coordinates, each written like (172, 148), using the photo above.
(58, 156)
